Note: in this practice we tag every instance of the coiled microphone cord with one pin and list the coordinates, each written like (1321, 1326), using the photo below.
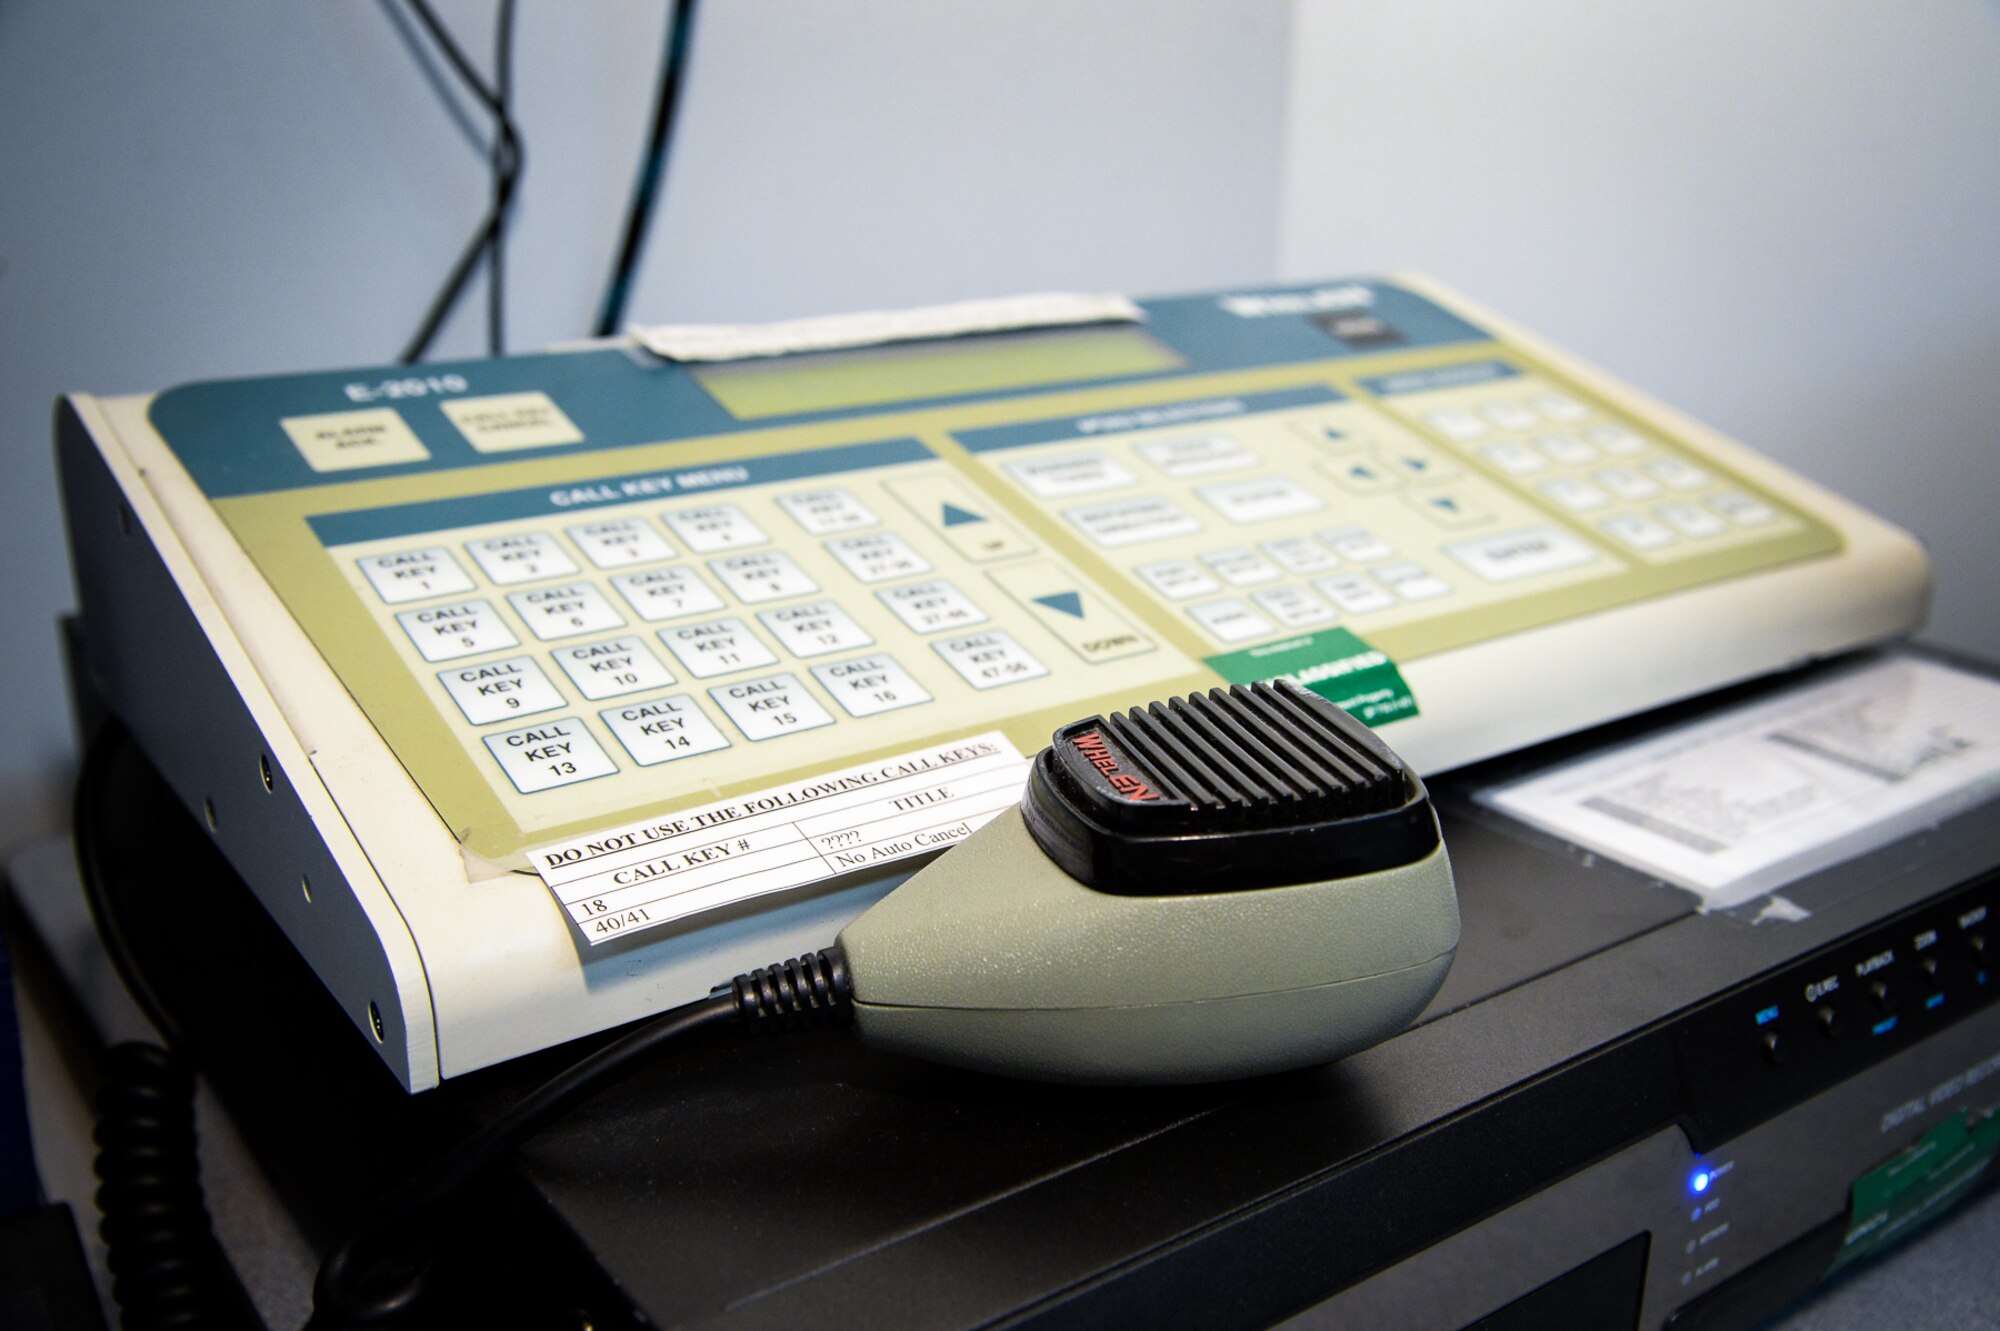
(167, 1269)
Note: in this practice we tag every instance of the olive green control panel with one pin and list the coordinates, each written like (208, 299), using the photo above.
(574, 589)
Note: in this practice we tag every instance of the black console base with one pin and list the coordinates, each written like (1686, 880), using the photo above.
(1597, 1035)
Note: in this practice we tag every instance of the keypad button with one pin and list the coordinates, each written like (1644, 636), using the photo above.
(1068, 474)
(1676, 474)
(1357, 544)
(1742, 510)
(1412, 582)
(990, 660)
(1626, 483)
(870, 684)
(1578, 496)
(415, 575)
(1419, 465)
(466, 628)
(1198, 455)
(965, 522)
(620, 544)
(714, 528)
(523, 557)
(1691, 520)
(1449, 507)
(1354, 593)
(1261, 499)
(1071, 612)
(767, 708)
(717, 647)
(1558, 408)
(878, 557)
(1131, 521)
(815, 629)
(504, 422)
(1302, 554)
(612, 669)
(1361, 474)
(1177, 579)
(1637, 531)
(1510, 415)
(550, 754)
(565, 611)
(1615, 440)
(1530, 552)
(1515, 459)
(1323, 430)
(663, 729)
(498, 690)
(769, 575)
(827, 512)
(1293, 607)
(1457, 423)
(1230, 620)
(933, 606)
(1566, 450)
(667, 593)
(1240, 567)
(348, 440)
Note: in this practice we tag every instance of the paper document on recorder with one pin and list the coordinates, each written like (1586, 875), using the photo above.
(1738, 804)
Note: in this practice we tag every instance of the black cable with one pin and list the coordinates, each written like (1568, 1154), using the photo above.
(507, 159)
(441, 81)
(652, 168)
(378, 1276)
(90, 836)
(167, 1268)
(496, 267)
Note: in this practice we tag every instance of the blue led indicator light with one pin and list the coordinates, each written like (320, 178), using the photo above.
(1884, 1026)
(1700, 1180)
(1767, 1015)
(1935, 1000)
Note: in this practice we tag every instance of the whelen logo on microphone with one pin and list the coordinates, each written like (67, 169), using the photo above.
(1098, 754)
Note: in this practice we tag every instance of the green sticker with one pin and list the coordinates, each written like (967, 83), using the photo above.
(1918, 1184)
(1336, 665)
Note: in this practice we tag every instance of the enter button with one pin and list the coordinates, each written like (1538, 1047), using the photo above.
(1511, 556)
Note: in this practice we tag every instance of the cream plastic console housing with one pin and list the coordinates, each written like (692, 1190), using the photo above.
(446, 963)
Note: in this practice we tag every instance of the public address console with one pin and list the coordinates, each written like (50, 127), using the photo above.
(529, 695)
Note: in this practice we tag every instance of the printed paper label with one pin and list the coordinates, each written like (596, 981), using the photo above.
(859, 818)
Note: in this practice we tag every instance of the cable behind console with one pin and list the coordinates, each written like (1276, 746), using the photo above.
(167, 1268)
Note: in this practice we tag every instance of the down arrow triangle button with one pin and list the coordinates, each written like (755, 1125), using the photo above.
(1068, 603)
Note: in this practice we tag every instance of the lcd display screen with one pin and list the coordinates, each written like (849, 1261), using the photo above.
(925, 371)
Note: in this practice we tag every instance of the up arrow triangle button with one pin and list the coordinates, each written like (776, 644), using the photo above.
(1068, 603)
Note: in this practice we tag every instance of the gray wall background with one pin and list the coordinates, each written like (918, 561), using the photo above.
(1782, 217)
